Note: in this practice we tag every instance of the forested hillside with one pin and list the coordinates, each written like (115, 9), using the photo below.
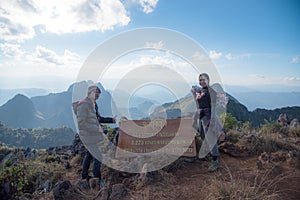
(36, 137)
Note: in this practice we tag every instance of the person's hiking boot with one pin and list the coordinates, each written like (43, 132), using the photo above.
(213, 166)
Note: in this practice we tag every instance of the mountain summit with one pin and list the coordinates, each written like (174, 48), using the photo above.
(20, 112)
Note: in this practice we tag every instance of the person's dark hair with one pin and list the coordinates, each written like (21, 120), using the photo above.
(206, 76)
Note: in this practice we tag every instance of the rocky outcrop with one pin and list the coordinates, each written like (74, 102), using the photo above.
(63, 190)
(294, 123)
(282, 119)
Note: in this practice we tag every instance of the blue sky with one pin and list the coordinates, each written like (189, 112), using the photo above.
(253, 43)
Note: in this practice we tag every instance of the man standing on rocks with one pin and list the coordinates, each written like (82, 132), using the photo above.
(90, 131)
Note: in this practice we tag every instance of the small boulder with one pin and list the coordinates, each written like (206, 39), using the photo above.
(119, 191)
(63, 190)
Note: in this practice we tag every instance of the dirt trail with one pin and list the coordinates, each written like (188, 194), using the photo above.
(193, 182)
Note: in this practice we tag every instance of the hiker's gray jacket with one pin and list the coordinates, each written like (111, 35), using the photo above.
(88, 124)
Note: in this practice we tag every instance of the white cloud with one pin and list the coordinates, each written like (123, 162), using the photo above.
(155, 60)
(295, 60)
(228, 56)
(214, 55)
(48, 55)
(70, 57)
(41, 54)
(257, 76)
(159, 58)
(43, 68)
(148, 5)
(199, 56)
(11, 50)
(155, 45)
(20, 19)
(292, 79)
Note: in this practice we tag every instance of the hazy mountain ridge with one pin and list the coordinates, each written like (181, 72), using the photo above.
(252, 98)
(54, 109)
(48, 111)
(186, 107)
(20, 112)
(268, 100)
(7, 94)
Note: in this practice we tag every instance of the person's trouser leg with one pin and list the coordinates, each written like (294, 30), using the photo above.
(97, 157)
(204, 125)
(215, 151)
(196, 120)
(210, 141)
(97, 169)
(86, 164)
(201, 131)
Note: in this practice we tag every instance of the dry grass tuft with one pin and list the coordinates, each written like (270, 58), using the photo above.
(263, 187)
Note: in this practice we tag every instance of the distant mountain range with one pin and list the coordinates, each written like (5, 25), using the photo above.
(48, 111)
(268, 100)
(186, 106)
(54, 109)
(7, 94)
(20, 112)
(252, 98)
(266, 97)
